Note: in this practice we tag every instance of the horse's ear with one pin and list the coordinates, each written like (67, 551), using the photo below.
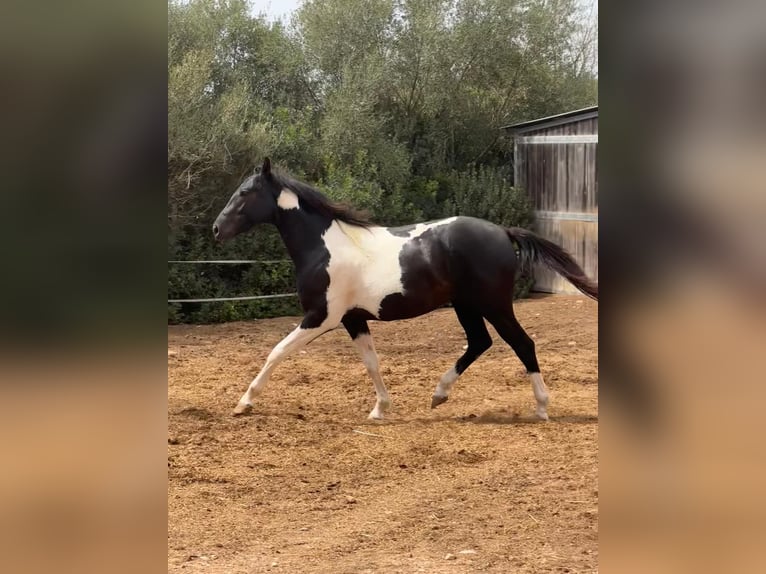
(266, 167)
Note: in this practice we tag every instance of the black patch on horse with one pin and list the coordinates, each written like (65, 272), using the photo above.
(425, 275)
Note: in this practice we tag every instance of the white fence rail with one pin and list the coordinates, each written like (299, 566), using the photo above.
(232, 262)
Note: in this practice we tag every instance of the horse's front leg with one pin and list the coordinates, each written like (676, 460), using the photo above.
(296, 340)
(360, 334)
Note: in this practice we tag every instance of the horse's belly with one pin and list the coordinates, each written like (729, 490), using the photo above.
(396, 305)
(417, 288)
(402, 306)
(374, 287)
(363, 284)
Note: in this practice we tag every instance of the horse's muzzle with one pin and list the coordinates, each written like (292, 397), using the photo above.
(222, 232)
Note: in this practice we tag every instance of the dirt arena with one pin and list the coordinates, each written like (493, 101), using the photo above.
(477, 485)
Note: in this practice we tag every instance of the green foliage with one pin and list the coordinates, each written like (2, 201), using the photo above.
(390, 105)
(486, 192)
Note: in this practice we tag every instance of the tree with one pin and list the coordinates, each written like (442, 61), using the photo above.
(392, 105)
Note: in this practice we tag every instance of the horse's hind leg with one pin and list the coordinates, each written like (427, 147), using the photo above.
(478, 342)
(509, 329)
(360, 333)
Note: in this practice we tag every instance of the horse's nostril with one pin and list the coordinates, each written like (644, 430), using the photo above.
(215, 230)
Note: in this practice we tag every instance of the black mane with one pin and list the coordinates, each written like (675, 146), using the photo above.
(316, 201)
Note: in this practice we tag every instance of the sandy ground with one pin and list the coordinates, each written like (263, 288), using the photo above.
(477, 485)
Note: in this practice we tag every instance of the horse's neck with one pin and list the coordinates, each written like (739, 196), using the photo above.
(301, 233)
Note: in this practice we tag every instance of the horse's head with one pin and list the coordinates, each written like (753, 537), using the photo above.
(254, 201)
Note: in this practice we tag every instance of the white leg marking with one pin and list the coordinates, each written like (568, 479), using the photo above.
(297, 339)
(370, 360)
(541, 394)
(445, 383)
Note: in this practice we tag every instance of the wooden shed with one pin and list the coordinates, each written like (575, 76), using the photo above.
(554, 159)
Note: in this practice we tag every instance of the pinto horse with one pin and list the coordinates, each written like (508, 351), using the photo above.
(351, 271)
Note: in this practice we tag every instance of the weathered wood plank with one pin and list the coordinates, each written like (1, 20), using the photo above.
(544, 139)
(580, 238)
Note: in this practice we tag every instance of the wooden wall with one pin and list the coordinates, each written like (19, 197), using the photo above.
(580, 238)
(561, 176)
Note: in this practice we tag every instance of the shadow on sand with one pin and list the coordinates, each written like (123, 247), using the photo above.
(493, 418)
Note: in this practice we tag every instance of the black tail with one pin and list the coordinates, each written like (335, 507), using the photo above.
(533, 248)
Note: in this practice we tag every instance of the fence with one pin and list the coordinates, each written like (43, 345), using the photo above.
(232, 262)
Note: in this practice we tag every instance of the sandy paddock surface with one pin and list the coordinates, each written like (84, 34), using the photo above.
(477, 485)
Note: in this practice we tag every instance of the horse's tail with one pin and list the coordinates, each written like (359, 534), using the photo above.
(535, 249)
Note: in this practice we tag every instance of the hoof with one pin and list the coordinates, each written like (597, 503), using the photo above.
(437, 400)
(242, 409)
(381, 407)
(542, 414)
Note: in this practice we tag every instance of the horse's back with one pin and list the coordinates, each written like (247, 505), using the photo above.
(472, 241)
(456, 259)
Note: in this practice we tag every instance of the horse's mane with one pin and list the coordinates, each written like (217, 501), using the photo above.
(315, 200)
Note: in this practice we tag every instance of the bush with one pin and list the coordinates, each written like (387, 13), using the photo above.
(486, 192)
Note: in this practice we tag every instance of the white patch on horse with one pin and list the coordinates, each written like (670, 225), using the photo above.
(288, 200)
(370, 360)
(445, 384)
(364, 263)
(369, 357)
(296, 340)
(541, 394)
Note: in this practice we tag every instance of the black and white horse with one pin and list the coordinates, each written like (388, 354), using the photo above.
(351, 271)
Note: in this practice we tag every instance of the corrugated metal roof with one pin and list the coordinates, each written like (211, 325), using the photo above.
(558, 119)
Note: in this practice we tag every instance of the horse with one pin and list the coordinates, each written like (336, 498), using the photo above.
(351, 271)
